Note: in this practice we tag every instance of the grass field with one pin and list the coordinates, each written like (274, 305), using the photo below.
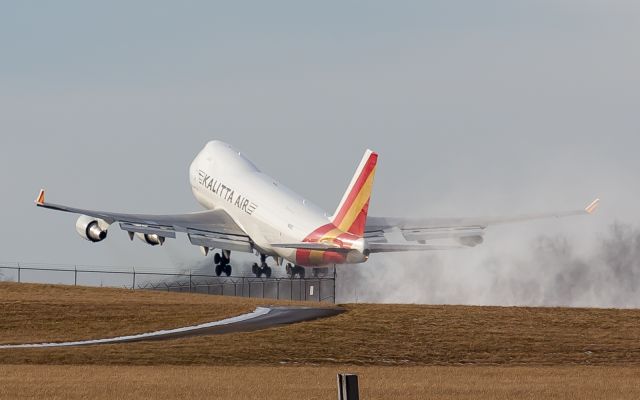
(412, 383)
(364, 335)
(399, 351)
(39, 313)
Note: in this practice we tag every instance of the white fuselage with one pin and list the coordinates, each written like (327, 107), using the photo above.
(222, 178)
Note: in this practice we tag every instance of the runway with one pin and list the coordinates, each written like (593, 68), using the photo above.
(260, 318)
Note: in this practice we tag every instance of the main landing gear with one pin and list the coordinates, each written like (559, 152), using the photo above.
(293, 270)
(222, 260)
(263, 268)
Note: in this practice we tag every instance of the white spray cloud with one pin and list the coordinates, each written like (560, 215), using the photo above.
(548, 270)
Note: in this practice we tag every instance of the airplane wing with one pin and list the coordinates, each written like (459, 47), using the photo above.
(467, 231)
(210, 229)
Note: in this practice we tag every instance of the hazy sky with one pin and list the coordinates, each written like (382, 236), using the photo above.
(476, 108)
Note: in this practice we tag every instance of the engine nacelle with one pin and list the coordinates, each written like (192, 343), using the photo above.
(471, 241)
(91, 229)
(150, 238)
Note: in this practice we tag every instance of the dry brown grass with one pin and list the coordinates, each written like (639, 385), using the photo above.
(38, 313)
(365, 335)
(172, 382)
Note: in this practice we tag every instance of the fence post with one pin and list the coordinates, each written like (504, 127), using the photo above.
(18, 272)
(133, 285)
(75, 275)
(190, 272)
(335, 276)
(348, 387)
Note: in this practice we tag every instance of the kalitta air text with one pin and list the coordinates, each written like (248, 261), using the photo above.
(226, 193)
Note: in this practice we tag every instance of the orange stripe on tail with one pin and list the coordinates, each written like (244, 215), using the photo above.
(351, 215)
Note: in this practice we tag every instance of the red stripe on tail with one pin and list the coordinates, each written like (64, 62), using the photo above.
(351, 215)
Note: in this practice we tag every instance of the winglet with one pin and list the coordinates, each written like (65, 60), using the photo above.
(591, 208)
(40, 198)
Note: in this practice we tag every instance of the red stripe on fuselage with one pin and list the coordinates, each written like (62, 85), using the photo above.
(344, 239)
(319, 233)
(303, 255)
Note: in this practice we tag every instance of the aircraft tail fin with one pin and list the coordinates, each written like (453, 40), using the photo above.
(351, 214)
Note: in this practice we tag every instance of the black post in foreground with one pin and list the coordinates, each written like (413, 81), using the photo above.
(348, 387)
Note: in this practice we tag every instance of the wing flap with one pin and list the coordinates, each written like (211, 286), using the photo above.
(148, 230)
(221, 242)
(442, 233)
(403, 247)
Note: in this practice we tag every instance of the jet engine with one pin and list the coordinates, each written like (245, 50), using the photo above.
(91, 229)
(471, 241)
(150, 238)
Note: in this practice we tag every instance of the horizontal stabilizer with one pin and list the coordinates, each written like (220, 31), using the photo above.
(373, 247)
(397, 247)
(311, 246)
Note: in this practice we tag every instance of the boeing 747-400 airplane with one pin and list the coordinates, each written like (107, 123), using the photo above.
(249, 211)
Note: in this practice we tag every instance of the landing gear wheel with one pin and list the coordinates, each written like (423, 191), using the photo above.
(297, 270)
(263, 268)
(289, 269)
(320, 272)
(293, 270)
(222, 260)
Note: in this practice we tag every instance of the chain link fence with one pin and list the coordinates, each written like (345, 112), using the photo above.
(318, 289)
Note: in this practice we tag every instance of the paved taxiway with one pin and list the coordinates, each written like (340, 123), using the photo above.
(261, 318)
